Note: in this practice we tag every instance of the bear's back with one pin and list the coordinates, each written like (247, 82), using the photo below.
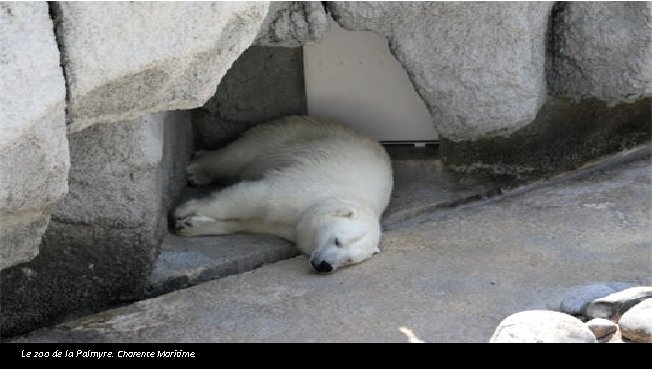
(323, 155)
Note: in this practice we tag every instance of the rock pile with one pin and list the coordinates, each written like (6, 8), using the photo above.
(592, 313)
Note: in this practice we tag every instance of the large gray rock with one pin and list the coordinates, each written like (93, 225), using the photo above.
(293, 24)
(636, 323)
(34, 158)
(579, 297)
(124, 59)
(103, 238)
(539, 326)
(602, 50)
(615, 304)
(479, 67)
(265, 83)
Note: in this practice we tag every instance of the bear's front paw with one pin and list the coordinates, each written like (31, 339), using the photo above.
(196, 176)
(183, 226)
(195, 225)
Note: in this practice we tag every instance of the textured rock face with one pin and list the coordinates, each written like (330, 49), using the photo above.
(614, 305)
(564, 136)
(480, 67)
(538, 326)
(34, 158)
(636, 323)
(103, 238)
(578, 298)
(265, 83)
(293, 24)
(602, 50)
(126, 59)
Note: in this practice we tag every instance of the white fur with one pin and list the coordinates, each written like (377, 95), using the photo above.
(313, 182)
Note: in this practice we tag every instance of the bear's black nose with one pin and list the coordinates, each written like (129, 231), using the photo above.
(322, 267)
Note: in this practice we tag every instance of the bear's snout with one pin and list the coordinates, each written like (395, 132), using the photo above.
(321, 267)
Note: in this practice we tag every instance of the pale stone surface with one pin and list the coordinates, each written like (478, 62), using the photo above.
(453, 277)
(186, 261)
(615, 304)
(293, 24)
(479, 67)
(601, 327)
(125, 59)
(102, 242)
(602, 50)
(34, 159)
(540, 326)
(636, 323)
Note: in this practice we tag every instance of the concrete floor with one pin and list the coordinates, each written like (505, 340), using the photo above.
(450, 276)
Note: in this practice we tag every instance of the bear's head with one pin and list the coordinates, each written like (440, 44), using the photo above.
(338, 235)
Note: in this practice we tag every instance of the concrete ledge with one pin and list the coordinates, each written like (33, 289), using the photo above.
(185, 261)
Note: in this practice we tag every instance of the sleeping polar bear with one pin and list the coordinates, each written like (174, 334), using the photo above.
(313, 182)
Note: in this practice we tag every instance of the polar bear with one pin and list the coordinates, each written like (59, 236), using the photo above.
(311, 181)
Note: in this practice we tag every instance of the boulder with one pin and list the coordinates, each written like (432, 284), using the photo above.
(539, 326)
(578, 298)
(479, 67)
(614, 305)
(602, 50)
(104, 236)
(293, 24)
(34, 159)
(636, 323)
(125, 59)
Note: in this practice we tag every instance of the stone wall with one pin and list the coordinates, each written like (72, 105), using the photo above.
(120, 61)
(564, 135)
(599, 77)
(103, 237)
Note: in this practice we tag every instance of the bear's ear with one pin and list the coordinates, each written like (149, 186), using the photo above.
(345, 213)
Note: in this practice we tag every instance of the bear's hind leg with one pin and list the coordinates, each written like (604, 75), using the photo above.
(209, 166)
(229, 162)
